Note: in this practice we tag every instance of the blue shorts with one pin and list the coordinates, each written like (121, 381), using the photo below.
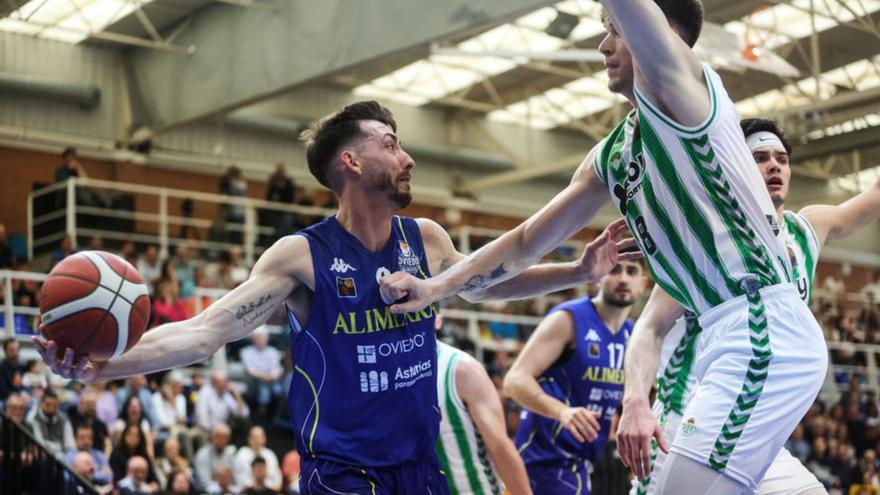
(325, 477)
(568, 478)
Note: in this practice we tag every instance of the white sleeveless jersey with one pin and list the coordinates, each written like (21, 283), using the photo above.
(460, 448)
(695, 201)
(801, 239)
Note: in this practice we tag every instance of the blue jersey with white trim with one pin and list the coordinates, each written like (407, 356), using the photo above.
(589, 376)
(364, 388)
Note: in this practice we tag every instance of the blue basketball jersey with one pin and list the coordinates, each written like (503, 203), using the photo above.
(364, 388)
(590, 376)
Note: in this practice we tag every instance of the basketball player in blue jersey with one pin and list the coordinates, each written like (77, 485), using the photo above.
(363, 397)
(569, 380)
(680, 173)
(806, 233)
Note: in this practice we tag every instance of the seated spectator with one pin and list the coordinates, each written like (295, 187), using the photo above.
(150, 266)
(107, 408)
(258, 475)
(844, 466)
(11, 371)
(238, 272)
(133, 414)
(171, 461)
(179, 483)
(84, 465)
(132, 444)
(219, 402)
(217, 453)
(195, 304)
(86, 412)
(128, 252)
(96, 243)
(170, 406)
(256, 448)
(262, 364)
(65, 249)
(167, 305)
(290, 469)
(15, 409)
(83, 435)
(871, 291)
(34, 375)
(7, 257)
(819, 462)
(797, 445)
(51, 427)
(186, 270)
(191, 392)
(136, 480)
(223, 482)
(137, 385)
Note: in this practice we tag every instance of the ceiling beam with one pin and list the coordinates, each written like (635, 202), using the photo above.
(248, 55)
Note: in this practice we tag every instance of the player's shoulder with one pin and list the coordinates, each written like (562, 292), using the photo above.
(288, 254)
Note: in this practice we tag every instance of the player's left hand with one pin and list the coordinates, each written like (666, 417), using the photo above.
(637, 428)
(610, 248)
(413, 294)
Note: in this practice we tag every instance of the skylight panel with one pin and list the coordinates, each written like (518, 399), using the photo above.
(526, 34)
(67, 20)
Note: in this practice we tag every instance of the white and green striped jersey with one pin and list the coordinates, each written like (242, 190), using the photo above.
(695, 201)
(802, 240)
(676, 357)
(460, 448)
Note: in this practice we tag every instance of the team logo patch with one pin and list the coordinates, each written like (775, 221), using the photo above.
(594, 350)
(407, 259)
(593, 336)
(345, 287)
(405, 250)
(688, 426)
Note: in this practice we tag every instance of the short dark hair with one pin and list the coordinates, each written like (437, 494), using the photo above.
(686, 16)
(50, 394)
(324, 137)
(82, 425)
(751, 126)
(69, 151)
(258, 460)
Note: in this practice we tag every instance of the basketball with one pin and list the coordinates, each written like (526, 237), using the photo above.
(95, 303)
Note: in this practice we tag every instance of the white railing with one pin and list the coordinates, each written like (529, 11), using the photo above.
(160, 217)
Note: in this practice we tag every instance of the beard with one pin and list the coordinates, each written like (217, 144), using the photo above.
(618, 302)
(383, 183)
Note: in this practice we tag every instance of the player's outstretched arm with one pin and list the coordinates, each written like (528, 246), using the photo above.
(281, 268)
(841, 221)
(606, 249)
(478, 393)
(567, 213)
(637, 424)
(666, 70)
(553, 335)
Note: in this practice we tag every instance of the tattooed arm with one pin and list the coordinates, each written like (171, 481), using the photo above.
(565, 214)
(278, 272)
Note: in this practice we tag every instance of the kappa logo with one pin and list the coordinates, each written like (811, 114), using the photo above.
(592, 336)
(340, 266)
